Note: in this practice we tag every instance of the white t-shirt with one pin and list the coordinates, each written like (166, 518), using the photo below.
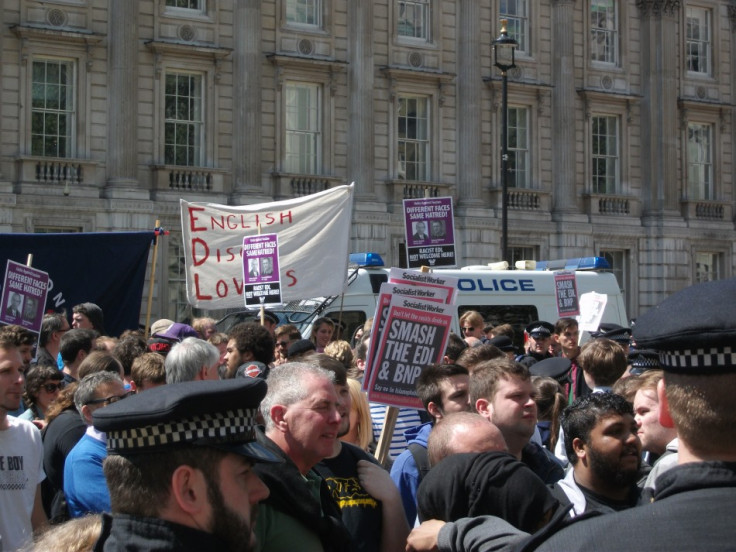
(21, 471)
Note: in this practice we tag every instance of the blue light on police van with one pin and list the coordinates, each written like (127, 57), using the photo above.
(577, 263)
(366, 259)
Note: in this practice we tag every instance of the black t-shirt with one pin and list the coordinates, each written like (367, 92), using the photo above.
(361, 513)
(59, 439)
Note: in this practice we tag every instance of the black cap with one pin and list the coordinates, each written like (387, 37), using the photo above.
(555, 367)
(300, 347)
(694, 330)
(614, 332)
(642, 360)
(219, 414)
(271, 317)
(502, 342)
(539, 328)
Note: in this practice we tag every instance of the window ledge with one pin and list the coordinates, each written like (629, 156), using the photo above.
(417, 189)
(612, 205)
(173, 178)
(523, 199)
(289, 185)
(706, 210)
(56, 170)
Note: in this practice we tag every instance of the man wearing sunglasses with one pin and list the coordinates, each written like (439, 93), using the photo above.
(84, 481)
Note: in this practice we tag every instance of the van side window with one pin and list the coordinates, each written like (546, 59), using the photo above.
(519, 316)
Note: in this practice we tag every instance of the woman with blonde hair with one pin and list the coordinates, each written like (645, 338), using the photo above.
(361, 426)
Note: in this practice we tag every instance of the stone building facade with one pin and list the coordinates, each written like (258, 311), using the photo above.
(621, 123)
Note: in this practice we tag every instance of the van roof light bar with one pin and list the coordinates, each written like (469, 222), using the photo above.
(577, 263)
(366, 259)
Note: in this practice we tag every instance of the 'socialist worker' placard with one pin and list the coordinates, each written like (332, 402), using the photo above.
(415, 334)
(261, 282)
(386, 293)
(24, 296)
(430, 234)
(566, 290)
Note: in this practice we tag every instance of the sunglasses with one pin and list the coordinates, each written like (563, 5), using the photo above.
(53, 387)
(467, 329)
(111, 399)
(282, 343)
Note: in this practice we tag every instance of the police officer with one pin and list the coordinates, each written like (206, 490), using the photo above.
(179, 467)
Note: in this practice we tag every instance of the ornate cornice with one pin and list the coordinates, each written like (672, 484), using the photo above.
(658, 7)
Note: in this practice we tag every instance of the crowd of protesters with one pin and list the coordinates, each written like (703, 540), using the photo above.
(187, 438)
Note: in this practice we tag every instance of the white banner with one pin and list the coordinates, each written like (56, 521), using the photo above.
(314, 232)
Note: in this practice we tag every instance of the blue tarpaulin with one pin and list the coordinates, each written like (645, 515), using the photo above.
(105, 268)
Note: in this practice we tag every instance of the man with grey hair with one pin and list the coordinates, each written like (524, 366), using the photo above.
(301, 412)
(84, 481)
(192, 360)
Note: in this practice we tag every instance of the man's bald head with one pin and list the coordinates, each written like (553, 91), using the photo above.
(463, 432)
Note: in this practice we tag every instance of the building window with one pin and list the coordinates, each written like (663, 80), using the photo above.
(413, 138)
(414, 19)
(52, 108)
(517, 14)
(700, 160)
(698, 40)
(604, 31)
(707, 267)
(605, 139)
(521, 254)
(184, 124)
(198, 5)
(618, 259)
(518, 143)
(304, 12)
(303, 151)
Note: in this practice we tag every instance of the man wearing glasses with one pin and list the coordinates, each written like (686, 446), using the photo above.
(84, 481)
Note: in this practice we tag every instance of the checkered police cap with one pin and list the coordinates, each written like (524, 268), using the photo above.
(217, 414)
(693, 330)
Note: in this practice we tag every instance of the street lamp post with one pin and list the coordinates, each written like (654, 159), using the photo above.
(503, 58)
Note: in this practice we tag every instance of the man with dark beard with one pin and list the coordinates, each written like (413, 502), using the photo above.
(605, 453)
(180, 467)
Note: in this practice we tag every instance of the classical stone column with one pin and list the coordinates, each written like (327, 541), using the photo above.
(361, 145)
(122, 96)
(563, 108)
(659, 115)
(469, 87)
(247, 121)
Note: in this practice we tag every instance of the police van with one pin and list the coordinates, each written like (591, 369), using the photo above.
(516, 297)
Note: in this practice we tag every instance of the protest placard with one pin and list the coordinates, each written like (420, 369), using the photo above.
(386, 292)
(592, 305)
(415, 335)
(430, 232)
(261, 275)
(24, 296)
(313, 230)
(425, 279)
(566, 290)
